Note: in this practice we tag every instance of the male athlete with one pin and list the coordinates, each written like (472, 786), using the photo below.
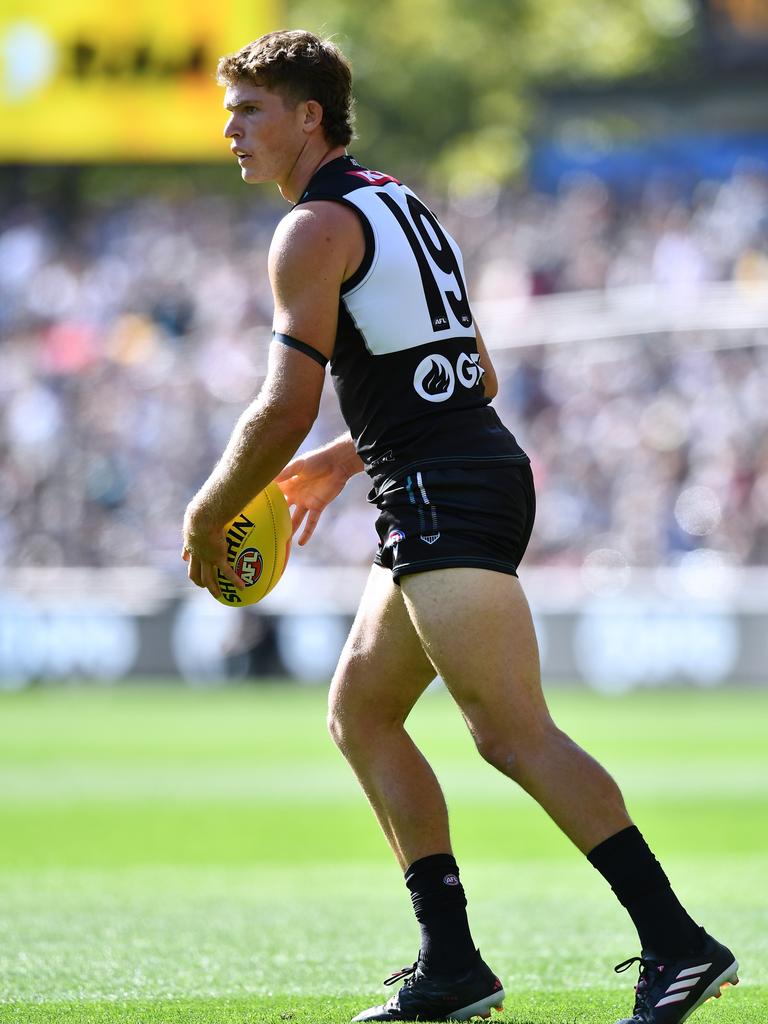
(364, 276)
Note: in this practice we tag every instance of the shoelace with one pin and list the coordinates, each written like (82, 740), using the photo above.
(648, 970)
(404, 972)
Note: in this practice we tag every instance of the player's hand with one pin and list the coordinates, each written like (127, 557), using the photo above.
(309, 483)
(205, 552)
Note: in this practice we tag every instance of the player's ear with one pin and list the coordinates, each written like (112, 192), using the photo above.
(313, 115)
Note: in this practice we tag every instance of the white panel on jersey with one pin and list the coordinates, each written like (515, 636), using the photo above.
(389, 306)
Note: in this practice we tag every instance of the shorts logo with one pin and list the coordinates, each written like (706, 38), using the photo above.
(386, 457)
(249, 566)
(394, 538)
(450, 880)
(434, 379)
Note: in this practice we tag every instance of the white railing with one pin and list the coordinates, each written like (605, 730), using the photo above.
(726, 308)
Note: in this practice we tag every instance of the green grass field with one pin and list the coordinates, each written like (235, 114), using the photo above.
(172, 855)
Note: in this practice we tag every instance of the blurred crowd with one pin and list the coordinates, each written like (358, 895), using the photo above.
(133, 336)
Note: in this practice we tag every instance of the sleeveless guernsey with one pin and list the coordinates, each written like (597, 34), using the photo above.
(405, 364)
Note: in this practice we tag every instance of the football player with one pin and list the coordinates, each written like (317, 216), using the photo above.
(367, 279)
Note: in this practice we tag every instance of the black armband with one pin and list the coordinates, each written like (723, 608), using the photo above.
(300, 346)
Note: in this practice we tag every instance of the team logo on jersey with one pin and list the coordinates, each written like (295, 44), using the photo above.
(434, 379)
(468, 369)
(249, 566)
(374, 177)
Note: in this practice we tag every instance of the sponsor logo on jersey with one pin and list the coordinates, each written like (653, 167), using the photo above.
(249, 566)
(434, 379)
(468, 369)
(374, 177)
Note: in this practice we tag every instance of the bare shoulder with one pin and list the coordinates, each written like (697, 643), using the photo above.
(318, 235)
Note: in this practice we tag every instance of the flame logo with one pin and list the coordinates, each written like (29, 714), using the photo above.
(434, 378)
(436, 381)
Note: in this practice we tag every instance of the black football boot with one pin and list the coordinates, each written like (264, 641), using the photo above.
(422, 997)
(668, 991)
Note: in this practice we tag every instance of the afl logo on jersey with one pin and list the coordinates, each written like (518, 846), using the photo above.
(434, 379)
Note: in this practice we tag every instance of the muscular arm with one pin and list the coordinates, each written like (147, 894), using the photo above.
(264, 438)
(309, 259)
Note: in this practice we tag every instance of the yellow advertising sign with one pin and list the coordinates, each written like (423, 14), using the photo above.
(84, 80)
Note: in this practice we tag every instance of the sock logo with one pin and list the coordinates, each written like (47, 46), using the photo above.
(451, 880)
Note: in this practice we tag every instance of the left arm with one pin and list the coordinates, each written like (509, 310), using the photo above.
(490, 381)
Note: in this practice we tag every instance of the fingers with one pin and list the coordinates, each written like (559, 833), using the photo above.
(297, 517)
(290, 470)
(185, 554)
(194, 570)
(226, 569)
(210, 579)
(205, 574)
(309, 527)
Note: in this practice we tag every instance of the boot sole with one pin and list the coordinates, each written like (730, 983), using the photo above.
(730, 976)
(482, 1008)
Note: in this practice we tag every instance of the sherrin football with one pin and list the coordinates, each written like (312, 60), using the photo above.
(258, 545)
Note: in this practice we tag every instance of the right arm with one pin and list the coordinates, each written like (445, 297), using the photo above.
(309, 260)
(311, 481)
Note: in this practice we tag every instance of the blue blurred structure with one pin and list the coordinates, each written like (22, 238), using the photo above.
(680, 162)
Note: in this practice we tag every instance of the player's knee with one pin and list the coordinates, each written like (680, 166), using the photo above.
(356, 733)
(335, 725)
(500, 753)
(346, 720)
(355, 721)
(339, 721)
(516, 756)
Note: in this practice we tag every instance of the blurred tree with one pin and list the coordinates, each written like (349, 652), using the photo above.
(443, 86)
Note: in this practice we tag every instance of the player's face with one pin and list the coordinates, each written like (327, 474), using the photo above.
(266, 134)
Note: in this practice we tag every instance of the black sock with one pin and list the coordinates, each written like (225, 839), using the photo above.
(440, 906)
(630, 868)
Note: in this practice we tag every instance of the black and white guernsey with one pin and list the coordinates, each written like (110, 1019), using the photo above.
(405, 363)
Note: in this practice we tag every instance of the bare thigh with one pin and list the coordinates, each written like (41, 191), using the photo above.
(476, 627)
(383, 669)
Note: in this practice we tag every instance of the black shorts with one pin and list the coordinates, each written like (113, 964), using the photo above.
(473, 516)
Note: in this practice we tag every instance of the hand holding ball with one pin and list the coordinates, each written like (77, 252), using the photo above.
(258, 546)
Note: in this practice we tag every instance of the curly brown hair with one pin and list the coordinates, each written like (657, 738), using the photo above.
(300, 66)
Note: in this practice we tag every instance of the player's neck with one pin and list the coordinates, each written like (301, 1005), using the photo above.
(308, 162)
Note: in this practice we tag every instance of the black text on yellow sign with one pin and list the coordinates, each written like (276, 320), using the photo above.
(88, 80)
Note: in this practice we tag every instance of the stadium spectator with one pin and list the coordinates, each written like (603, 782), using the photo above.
(130, 345)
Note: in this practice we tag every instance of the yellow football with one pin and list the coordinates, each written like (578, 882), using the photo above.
(258, 545)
